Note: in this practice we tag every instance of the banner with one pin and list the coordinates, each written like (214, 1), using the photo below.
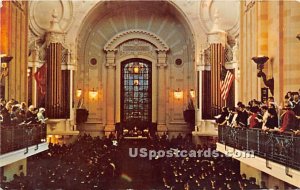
(41, 78)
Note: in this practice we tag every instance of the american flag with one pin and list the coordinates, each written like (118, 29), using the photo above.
(226, 81)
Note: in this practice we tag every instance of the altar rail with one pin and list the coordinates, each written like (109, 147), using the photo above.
(283, 148)
(21, 136)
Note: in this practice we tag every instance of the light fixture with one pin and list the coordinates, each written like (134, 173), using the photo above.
(260, 61)
(192, 93)
(298, 35)
(78, 93)
(28, 72)
(4, 65)
(178, 94)
(93, 93)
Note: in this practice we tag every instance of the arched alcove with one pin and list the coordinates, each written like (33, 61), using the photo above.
(143, 45)
(158, 26)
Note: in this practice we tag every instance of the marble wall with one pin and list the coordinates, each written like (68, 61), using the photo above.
(14, 23)
(269, 28)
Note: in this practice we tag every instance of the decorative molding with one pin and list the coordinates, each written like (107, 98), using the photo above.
(228, 54)
(231, 65)
(37, 23)
(122, 37)
(207, 56)
(110, 59)
(204, 67)
(248, 4)
(20, 4)
(137, 47)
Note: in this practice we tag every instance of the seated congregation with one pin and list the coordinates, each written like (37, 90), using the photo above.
(94, 163)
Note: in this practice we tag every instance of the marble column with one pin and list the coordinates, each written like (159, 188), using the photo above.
(161, 82)
(110, 91)
(34, 63)
(198, 111)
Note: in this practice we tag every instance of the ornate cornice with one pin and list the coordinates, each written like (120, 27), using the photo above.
(122, 37)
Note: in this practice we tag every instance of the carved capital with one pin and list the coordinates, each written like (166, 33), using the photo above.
(52, 37)
(217, 37)
(110, 59)
(110, 66)
(161, 58)
(162, 65)
(204, 68)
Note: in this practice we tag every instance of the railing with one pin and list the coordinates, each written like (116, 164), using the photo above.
(283, 148)
(21, 136)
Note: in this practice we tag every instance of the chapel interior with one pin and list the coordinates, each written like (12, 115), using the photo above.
(88, 88)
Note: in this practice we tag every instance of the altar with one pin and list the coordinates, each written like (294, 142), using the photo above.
(136, 130)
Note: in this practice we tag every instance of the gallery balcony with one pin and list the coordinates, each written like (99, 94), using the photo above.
(21, 141)
(275, 153)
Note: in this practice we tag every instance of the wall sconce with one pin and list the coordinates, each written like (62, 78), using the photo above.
(298, 36)
(78, 93)
(260, 61)
(28, 72)
(93, 93)
(192, 93)
(178, 94)
(4, 65)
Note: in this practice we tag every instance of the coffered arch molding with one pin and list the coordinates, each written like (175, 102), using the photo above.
(122, 37)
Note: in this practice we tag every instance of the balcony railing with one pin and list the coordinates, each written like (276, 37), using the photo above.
(283, 148)
(21, 136)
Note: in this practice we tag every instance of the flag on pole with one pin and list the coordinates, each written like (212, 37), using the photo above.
(227, 79)
(41, 78)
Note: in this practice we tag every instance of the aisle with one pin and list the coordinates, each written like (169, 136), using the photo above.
(136, 173)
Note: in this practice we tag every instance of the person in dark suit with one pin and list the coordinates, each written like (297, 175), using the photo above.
(31, 114)
(6, 117)
(242, 118)
(221, 119)
(272, 120)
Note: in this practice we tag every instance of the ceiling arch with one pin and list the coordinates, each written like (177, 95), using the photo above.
(145, 12)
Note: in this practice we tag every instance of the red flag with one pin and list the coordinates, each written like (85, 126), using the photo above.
(41, 78)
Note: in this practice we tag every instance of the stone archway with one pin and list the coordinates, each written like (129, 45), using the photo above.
(155, 51)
